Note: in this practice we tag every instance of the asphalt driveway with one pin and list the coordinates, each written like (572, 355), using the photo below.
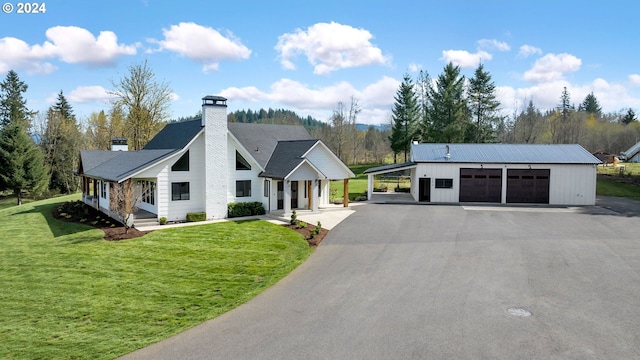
(436, 282)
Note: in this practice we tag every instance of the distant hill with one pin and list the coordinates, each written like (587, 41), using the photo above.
(379, 127)
(275, 116)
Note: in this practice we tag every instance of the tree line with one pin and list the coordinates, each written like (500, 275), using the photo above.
(453, 109)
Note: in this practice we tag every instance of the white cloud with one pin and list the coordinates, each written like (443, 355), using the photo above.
(89, 94)
(528, 50)
(465, 59)
(330, 47)
(552, 67)
(493, 44)
(374, 99)
(413, 67)
(635, 79)
(73, 44)
(69, 44)
(202, 44)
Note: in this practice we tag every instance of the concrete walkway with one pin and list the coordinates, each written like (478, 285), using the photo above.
(329, 216)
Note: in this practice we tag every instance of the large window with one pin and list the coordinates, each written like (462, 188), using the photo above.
(243, 188)
(182, 164)
(103, 189)
(444, 183)
(241, 163)
(180, 191)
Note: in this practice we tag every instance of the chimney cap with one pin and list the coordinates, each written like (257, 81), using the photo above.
(214, 100)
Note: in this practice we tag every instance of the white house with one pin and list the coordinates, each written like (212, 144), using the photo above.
(203, 165)
(558, 174)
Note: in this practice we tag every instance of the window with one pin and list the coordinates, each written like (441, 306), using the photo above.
(103, 189)
(267, 185)
(444, 183)
(180, 191)
(148, 191)
(243, 188)
(241, 163)
(182, 164)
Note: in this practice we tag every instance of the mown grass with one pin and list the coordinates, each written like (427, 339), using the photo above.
(623, 169)
(68, 294)
(357, 185)
(609, 187)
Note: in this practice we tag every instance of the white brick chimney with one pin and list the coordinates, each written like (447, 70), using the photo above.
(214, 120)
(119, 144)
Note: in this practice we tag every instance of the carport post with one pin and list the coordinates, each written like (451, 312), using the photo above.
(345, 198)
(369, 186)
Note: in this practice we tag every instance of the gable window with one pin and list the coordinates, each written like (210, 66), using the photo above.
(241, 163)
(182, 164)
(180, 191)
(444, 183)
(243, 188)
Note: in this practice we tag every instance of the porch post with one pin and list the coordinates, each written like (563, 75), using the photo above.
(314, 195)
(309, 194)
(345, 198)
(287, 196)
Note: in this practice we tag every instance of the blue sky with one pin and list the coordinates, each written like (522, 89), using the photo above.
(309, 55)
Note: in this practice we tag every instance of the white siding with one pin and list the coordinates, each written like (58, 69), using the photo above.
(569, 184)
(327, 163)
(257, 183)
(304, 172)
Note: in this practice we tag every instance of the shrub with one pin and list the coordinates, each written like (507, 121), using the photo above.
(163, 221)
(294, 218)
(196, 216)
(302, 225)
(317, 228)
(245, 209)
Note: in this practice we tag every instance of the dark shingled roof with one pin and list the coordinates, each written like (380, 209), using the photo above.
(286, 156)
(119, 165)
(261, 139)
(503, 153)
(175, 135)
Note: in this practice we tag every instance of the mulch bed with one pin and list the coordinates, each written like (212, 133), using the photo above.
(79, 212)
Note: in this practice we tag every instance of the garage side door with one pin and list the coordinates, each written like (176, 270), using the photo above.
(528, 186)
(480, 185)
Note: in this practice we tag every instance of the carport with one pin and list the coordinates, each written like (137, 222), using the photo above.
(386, 169)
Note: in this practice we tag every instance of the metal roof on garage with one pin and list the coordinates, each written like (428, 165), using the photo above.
(502, 153)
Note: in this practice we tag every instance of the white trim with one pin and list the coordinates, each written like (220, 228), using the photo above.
(300, 164)
(345, 167)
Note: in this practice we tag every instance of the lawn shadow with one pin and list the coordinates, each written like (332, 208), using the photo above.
(57, 227)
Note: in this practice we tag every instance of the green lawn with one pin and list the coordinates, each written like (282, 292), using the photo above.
(68, 294)
(357, 185)
(626, 168)
(607, 187)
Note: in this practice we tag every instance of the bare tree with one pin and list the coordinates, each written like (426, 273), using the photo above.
(124, 199)
(145, 102)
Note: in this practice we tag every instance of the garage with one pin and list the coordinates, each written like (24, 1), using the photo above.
(480, 185)
(528, 186)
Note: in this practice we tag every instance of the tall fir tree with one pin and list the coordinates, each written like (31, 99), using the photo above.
(22, 168)
(61, 145)
(629, 117)
(590, 104)
(449, 115)
(405, 115)
(484, 107)
(13, 106)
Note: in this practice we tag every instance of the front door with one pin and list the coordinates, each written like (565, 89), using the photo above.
(294, 194)
(280, 195)
(424, 188)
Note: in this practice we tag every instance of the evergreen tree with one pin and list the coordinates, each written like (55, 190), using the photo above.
(405, 116)
(449, 112)
(61, 146)
(591, 105)
(13, 107)
(629, 117)
(22, 167)
(484, 107)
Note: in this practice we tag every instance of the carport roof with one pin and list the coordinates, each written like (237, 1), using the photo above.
(502, 153)
(389, 168)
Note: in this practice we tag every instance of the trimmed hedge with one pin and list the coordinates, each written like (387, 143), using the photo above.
(245, 209)
(196, 216)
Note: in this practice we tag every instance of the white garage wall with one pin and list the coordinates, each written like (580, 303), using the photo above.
(569, 184)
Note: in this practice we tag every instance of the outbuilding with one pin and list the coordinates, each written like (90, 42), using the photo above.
(555, 174)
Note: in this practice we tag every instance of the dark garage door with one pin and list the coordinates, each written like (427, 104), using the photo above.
(480, 185)
(528, 186)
